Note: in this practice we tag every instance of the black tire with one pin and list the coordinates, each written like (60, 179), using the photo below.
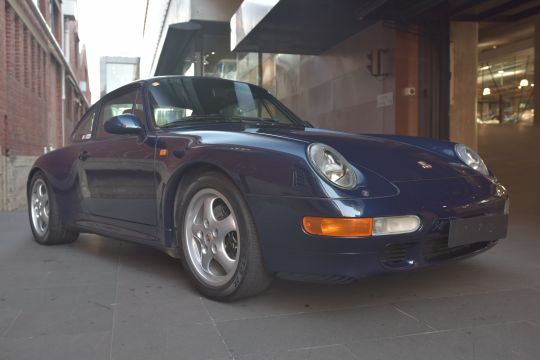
(56, 232)
(250, 277)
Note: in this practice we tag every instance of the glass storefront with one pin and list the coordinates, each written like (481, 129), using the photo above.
(266, 70)
(219, 61)
(505, 90)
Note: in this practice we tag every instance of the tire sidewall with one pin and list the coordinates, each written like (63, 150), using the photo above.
(220, 183)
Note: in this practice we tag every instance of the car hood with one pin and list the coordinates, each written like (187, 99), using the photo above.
(394, 160)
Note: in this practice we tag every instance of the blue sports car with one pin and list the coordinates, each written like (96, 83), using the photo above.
(223, 176)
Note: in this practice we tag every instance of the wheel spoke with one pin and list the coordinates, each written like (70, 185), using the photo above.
(224, 260)
(206, 258)
(40, 223)
(42, 191)
(45, 212)
(208, 211)
(38, 195)
(197, 232)
(225, 226)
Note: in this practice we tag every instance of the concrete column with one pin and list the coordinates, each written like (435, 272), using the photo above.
(463, 66)
(536, 97)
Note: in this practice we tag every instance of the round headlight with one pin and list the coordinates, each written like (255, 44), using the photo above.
(331, 165)
(471, 158)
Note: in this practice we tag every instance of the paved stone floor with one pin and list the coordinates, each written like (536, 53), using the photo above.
(104, 299)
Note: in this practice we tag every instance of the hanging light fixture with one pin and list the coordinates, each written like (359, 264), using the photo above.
(524, 82)
(487, 91)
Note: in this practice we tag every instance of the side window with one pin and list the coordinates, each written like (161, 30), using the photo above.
(83, 131)
(138, 107)
(123, 104)
(168, 103)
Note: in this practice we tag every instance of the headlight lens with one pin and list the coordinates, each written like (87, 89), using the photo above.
(471, 158)
(395, 224)
(331, 165)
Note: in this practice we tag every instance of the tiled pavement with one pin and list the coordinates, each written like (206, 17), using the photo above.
(104, 299)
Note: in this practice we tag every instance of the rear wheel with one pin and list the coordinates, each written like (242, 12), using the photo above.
(45, 219)
(220, 245)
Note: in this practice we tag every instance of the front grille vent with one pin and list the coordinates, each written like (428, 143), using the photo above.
(397, 255)
(316, 278)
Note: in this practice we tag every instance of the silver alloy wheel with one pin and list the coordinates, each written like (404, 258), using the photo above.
(212, 237)
(39, 207)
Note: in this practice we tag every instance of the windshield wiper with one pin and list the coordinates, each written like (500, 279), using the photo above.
(252, 119)
(263, 121)
(189, 119)
(224, 118)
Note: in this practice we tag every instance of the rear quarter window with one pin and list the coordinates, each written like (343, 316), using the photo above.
(83, 131)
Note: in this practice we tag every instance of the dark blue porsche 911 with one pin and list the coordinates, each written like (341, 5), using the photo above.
(223, 176)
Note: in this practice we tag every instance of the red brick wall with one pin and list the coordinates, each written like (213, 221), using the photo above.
(3, 58)
(31, 104)
(31, 78)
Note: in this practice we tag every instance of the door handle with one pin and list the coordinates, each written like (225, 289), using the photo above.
(83, 155)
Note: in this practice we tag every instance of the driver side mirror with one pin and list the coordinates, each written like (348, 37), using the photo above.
(125, 124)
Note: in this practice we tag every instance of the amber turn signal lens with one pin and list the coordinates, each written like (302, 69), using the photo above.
(337, 226)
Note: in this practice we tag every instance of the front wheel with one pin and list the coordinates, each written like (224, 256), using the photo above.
(45, 218)
(219, 242)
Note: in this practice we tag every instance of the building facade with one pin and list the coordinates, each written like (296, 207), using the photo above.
(42, 72)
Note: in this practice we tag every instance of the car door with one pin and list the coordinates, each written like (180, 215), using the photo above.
(64, 176)
(117, 171)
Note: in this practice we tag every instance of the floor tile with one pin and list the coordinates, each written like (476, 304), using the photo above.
(7, 317)
(278, 333)
(81, 319)
(331, 352)
(88, 346)
(477, 309)
(507, 341)
(183, 341)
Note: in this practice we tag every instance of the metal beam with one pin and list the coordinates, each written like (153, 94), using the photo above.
(506, 51)
(501, 8)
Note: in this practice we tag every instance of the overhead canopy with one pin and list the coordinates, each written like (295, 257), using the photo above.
(177, 49)
(313, 26)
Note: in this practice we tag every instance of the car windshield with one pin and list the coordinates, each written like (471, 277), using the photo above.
(181, 100)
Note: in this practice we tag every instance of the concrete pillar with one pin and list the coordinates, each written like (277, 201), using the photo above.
(406, 62)
(536, 97)
(463, 66)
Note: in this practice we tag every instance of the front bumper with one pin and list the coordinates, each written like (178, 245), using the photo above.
(290, 252)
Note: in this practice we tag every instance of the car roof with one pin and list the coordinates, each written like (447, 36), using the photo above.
(148, 81)
(156, 78)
